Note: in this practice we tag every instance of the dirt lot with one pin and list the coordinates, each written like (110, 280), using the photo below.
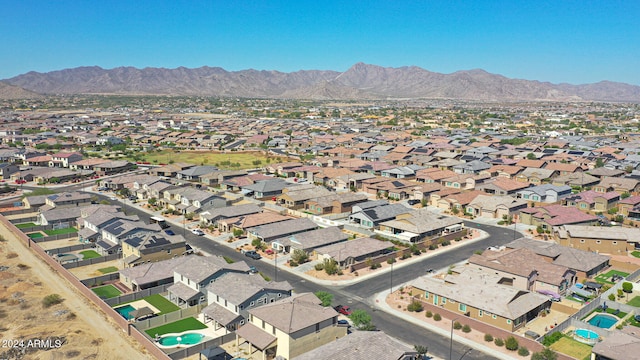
(72, 329)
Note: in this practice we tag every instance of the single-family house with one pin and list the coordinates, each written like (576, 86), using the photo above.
(545, 193)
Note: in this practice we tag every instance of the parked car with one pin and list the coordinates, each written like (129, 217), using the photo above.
(344, 310)
(413, 202)
(252, 270)
(169, 232)
(197, 232)
(252, 254)
(343, 323)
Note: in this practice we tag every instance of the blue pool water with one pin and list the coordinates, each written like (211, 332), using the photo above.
(604, 321)
(587, 334)
(125, 310)
(184, 339)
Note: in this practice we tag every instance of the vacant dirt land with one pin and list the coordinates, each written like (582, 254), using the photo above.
(71, 329)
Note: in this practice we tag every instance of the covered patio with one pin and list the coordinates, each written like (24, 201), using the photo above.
(263, 342)
(221, 317)
(181, 294)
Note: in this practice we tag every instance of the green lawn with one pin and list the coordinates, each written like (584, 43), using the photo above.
(606, 277)
(35, 235)
(636, 253)
(222, 160)
(176, 327)
(107, 291)
(635, 301)
(571, 347)
(68, 230)
(108, 270)
(25, 225)
(89, 254)
(162, 304)
(611, 311)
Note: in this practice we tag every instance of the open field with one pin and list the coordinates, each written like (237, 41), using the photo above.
(572, 348)
(228, 160)
(189, 323)
(86, 333)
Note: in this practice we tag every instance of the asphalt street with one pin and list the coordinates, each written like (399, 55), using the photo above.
(361, 294)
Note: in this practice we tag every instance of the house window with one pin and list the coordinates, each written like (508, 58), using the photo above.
(263, 324)
(614, 242)
(598, 241)
(493, 316)
(508, 321)
(582, 241)
(462, 307)
(202, 298)
(426, 294)
(241, 322)
(279, 295)
(480, 313)
(444, 300)
(583, 206)
(251, 304)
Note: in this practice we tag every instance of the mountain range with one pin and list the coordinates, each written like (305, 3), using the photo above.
(361, 81)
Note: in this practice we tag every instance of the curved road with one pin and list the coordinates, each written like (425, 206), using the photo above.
(360, 295)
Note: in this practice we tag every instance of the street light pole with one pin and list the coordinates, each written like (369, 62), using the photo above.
(275, 264)
(391, 286)
(451, 340)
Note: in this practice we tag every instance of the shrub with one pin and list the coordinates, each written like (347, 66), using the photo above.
(51, 300)
(466, 329)
(457, 325)
(293, 263)
(446, 243)
(511, 343)
(429, 314)
(319, 267)
(523, 351)
(498, 342)
(415, 306)
(612, 297)
(488, 337)
(391, 261)
(433, 246)
(437, 317)
(406, 256)
(331, 267)
(550, 339)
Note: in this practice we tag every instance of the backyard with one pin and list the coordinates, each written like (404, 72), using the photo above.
(606, 277)
(159, 302)
(89, 254)
(35, 235)
(635, 301)
(568, 346)
(107, 291)
(179, 326)
(25, 225)
(68, 230)
(108, 270)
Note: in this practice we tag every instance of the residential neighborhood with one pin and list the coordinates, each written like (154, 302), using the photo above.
(249, 234)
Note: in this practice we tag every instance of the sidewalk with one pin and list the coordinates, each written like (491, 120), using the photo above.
(381, 303)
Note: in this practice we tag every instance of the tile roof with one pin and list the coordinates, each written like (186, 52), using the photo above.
(294, 313)
(360, 345)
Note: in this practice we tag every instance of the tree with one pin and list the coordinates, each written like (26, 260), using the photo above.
(546, 354)
(599, 162)
(421, 350)
(152, 201)
(331, 267)
(362, 320)
(531, 156)
(627, 287)
(325, 297)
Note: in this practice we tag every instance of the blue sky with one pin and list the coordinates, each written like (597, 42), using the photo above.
(557, 41)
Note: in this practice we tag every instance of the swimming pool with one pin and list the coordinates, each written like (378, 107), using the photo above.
(604, 321)
(182, 339)
(586, 336)
(125, 310)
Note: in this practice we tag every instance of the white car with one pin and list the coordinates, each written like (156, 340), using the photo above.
(197, 232)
